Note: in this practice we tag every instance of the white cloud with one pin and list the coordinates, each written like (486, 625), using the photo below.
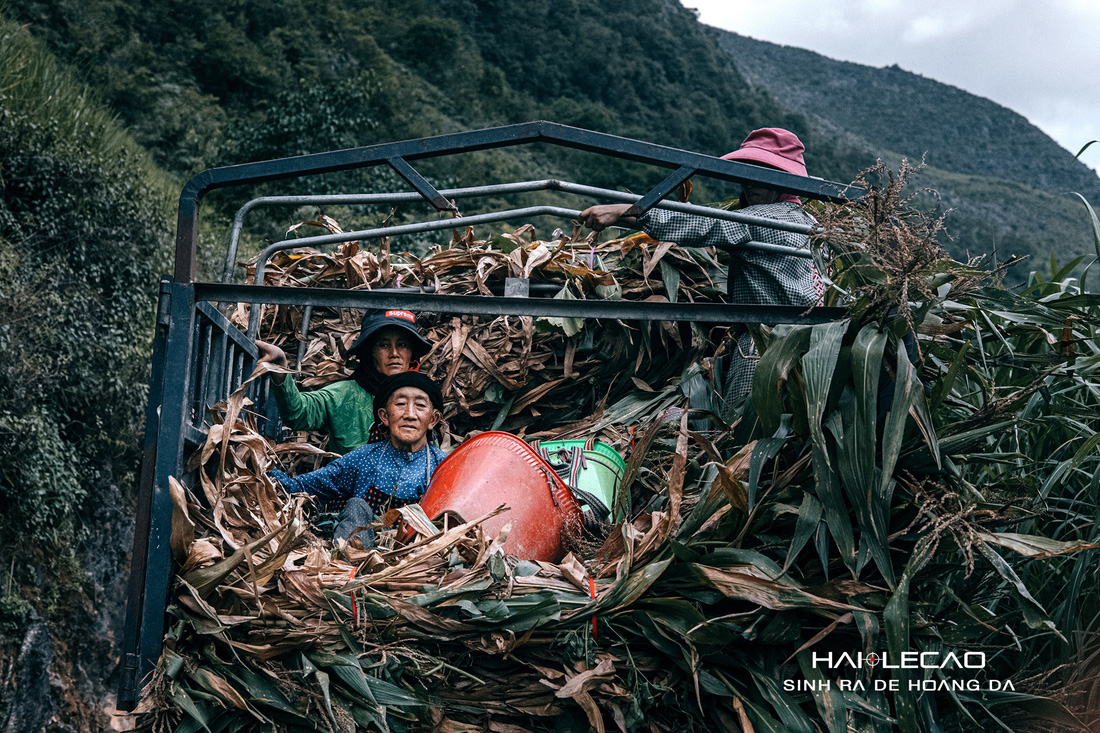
(1039, 59)
(922, 29)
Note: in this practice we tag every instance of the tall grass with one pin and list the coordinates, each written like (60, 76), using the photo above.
(34, 86)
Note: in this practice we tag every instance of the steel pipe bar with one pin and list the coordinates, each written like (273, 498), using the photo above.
(133, 667)
(362, 199)
(173, 417)
(420, 184)
(424, 226)
(662, 189)
(483, 305)
(707, 211)
(428, 226)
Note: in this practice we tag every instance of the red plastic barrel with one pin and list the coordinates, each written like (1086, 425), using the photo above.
(497, 468)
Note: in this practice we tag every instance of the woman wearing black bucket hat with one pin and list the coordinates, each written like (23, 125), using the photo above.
(388, 343)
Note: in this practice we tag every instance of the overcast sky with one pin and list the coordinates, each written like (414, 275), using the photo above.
(1039, 58)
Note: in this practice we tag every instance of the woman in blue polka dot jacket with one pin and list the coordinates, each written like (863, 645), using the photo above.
(390, 473)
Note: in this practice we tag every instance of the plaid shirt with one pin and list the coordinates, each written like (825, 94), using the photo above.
(758, 278)
(754, 277)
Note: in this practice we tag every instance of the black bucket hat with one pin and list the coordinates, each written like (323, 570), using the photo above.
(375, 320)
(420, 381)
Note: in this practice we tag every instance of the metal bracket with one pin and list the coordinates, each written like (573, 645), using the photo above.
(417, 181)
(662, 189)
(127, 686)
(164, 302)
(517, 287)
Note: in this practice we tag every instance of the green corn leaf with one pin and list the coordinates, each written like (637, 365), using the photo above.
(960, 442)
(1043, 707)
(326, 695)
(629, 589)
(769, 383)
(788, 711)
(1087, 449)
(860, 433)
(897, 620)
(752, 585)
(671, 277)
(186, 704)
(1034, 614)
(906, 386)
(829, 492)
(259, 689)
(375, 691)
(809, 516)
(1035, 546)
(947, 382)
(761, 721)
(818, 367)
(764, 451)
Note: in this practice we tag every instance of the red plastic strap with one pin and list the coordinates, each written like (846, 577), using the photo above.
(631, 436)
(354, 601)
(592, 592)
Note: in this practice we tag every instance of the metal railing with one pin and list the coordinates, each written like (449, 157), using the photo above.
(547, 184)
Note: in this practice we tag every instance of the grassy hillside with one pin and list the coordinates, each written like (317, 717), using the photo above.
(84, 224)
(987, 214)
(1008, 183)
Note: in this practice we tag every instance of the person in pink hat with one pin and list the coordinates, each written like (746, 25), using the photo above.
(754, 277)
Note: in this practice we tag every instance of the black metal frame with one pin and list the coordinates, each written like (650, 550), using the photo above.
(397, 155)
(199, 357)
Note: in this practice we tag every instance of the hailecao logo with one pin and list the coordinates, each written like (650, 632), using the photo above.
(893, 683)
(909, 660)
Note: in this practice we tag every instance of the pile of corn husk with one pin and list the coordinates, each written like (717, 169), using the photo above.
(747, 548)
(275, 624)
(509, 372)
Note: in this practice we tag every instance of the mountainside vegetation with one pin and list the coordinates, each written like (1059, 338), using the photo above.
(207, 84)
(83, 210)
(212, 84)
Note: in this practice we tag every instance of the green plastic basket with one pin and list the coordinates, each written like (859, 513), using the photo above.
(591, 466)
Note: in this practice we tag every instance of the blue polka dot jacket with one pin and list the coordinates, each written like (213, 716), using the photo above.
(384, 476)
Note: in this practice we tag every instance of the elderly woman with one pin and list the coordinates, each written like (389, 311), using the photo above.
(389, 343)
(390, 473)
(755, 278)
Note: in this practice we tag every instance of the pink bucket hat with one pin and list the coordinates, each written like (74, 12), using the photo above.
(773, 147)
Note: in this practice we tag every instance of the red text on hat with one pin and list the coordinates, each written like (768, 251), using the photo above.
(401, 314)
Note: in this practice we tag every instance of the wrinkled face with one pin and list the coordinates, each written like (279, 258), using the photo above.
(391, 351)
(409, 415)
(757, 196)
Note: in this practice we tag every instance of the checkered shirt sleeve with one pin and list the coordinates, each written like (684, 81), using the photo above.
(758, 278)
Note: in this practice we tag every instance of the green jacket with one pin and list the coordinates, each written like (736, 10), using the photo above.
(344, 409)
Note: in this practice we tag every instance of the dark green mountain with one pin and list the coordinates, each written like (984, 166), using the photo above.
(1008, 183)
